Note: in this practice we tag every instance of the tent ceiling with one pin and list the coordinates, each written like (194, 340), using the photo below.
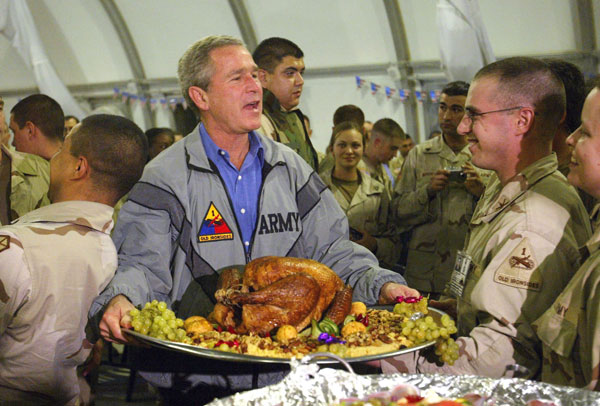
(84, 46)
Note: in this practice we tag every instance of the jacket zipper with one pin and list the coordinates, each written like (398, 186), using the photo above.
(267, 168)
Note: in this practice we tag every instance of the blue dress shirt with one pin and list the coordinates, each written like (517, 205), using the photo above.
(243, 186)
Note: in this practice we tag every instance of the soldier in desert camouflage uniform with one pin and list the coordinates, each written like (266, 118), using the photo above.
(55, 260)
(522, 246)
(29, 180)
(382, 145)
(281, 66)
(570, 328)
(436, 208)
(363, 199)
(24, 179)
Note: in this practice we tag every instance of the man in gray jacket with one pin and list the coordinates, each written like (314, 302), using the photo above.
(222, 197)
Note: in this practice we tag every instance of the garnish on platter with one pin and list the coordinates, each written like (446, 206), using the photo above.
(287, 308)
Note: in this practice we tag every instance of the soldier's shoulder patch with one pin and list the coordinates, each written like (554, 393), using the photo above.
(520, 269)
(214, 227)
(4, 242)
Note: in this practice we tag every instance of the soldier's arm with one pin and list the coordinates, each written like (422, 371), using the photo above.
(15, 279)
(506, 306)
(411, 201)
(388, 236)
(144, 238)
(592, 321)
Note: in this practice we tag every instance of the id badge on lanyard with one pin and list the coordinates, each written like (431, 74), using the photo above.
(462, 267)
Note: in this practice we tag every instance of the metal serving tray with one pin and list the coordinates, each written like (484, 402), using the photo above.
(229, 356)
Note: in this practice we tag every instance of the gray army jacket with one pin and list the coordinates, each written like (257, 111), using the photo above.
(168, 252)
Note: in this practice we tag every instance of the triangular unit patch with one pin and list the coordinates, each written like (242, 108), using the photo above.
(214, 227)
(520, 270)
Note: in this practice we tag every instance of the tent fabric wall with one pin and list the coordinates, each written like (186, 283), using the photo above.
(18, 26)
(340, 38)
(462, 38)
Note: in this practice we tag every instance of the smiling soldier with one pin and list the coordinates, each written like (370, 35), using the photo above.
(570, 328)
(522, 245)
(434, 207)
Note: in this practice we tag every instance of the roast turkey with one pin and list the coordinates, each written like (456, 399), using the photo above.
(274, 291)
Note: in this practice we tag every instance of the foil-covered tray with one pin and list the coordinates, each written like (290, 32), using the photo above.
(307, 385)
(229, 356)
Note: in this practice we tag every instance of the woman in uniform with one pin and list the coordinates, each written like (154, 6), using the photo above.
(362, 198)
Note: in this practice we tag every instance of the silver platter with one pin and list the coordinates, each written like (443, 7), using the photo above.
(229, 356)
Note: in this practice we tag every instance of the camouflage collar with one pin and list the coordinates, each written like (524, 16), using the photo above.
(368, 184)
(437, 145)
(270, 103)
(515, 188)
(27, 164)
(93, 215)
(593, 243)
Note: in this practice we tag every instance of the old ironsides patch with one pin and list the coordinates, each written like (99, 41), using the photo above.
(519, 270)
(214, 227)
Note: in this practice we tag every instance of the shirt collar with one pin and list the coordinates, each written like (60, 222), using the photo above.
(270, 100)
(214, 153)
(515, 187)
(93, 215)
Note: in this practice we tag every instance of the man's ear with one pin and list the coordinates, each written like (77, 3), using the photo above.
(525, 120)
(264, 77)
(82, 169)
(32, 130)
(199, 96)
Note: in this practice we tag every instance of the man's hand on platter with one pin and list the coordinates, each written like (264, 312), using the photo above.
(116, 316)
(391, 290)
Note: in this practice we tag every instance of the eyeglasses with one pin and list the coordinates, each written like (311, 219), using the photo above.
(473, 114)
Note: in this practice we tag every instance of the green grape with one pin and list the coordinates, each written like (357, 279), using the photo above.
(447, 350)
(134, 312)
(398, 308)
(156, 320)
(406, 331)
